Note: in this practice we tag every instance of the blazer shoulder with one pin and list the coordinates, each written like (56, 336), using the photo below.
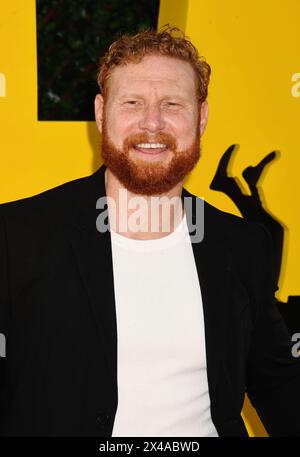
(235, 229)
(58, 199)
(250, 242)
(55, 193)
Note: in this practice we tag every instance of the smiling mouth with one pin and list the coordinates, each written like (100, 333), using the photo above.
(151, 148)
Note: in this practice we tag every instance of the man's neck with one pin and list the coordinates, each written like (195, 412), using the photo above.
(142, 219)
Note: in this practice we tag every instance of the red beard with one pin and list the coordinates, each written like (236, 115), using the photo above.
(149, 177)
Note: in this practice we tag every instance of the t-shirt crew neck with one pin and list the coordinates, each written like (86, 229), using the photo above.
(164, 242)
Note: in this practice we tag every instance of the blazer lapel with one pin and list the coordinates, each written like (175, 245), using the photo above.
(212, 262)
(94, 258)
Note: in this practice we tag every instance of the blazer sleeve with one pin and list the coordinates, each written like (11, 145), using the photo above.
(273, 372)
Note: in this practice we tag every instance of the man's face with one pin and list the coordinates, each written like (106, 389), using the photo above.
(151, 124)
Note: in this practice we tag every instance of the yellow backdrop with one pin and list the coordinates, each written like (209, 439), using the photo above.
(254, 100)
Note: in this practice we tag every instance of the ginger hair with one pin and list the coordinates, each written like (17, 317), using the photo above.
(169, 42)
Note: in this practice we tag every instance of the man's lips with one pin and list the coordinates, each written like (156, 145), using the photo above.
(151, 148)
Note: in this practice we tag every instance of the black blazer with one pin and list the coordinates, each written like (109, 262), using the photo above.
(57, 311)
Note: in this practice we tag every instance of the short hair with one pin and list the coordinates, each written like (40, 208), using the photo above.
(170, 42)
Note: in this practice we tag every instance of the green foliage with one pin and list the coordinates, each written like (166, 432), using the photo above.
(72, 35)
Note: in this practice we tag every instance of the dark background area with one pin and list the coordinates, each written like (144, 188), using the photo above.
(71, 37)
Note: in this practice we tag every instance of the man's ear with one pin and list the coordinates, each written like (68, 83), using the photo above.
(203, 116)
(99, 111)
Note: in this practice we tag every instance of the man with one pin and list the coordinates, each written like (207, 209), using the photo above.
(131, 331)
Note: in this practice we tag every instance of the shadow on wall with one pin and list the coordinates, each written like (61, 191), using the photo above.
(253, 207)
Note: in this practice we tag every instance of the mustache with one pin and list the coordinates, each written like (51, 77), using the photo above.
(163, 138)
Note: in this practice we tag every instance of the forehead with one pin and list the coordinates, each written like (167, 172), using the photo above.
(157, 72)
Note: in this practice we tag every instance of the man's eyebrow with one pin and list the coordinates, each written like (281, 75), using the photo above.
(131, 95)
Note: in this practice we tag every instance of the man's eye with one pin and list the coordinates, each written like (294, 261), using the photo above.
(131, 102)
(172, 105)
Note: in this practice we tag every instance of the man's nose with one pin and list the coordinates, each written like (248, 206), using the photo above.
(152, 119)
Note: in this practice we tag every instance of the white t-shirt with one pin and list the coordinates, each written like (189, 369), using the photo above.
(162, 378)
